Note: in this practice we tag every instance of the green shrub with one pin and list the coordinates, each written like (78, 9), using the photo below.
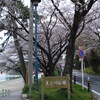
(25, 89)
(95, 61)
(89, 70)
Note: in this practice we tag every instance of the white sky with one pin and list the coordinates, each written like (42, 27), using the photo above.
(26, 2)
(3, 37)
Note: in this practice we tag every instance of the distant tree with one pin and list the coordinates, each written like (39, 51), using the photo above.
(81, 9)
(95, 28)
(52, 39)
(51, 42)
(50, 49)
(8, 10)
(95, 61)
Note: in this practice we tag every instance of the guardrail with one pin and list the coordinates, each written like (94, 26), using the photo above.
(5, 92)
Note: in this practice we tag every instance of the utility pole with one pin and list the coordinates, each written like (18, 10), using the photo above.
(30, 48)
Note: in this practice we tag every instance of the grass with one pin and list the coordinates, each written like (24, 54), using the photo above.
(96, 74)
(59, 94)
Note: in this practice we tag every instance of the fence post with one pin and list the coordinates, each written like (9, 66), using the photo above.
(68, 88)
(3, 92)
(42, 87)
(88, 83)
(75, 79)
(6, 92)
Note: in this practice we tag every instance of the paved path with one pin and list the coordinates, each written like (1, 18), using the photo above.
(95, 82)
(15, 86)
(13, 96)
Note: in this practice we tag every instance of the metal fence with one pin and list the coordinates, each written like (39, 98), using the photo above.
(5, 92)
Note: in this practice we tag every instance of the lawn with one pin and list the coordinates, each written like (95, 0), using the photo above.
(59, 94)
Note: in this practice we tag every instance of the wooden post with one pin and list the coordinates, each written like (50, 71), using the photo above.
(26, 76)
(42, 87)
(68, 88)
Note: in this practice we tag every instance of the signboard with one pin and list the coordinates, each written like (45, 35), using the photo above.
(81, 53)
(56, 82)
(80, 59)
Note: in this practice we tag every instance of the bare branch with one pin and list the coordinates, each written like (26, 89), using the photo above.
(61, 14)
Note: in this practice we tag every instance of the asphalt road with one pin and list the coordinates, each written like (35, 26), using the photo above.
(95, 82)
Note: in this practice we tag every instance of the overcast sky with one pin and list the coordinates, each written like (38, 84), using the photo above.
(26, 2)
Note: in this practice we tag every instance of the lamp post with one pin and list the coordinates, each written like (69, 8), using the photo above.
(35, 3)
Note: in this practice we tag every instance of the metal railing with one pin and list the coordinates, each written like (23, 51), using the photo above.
(5, 92)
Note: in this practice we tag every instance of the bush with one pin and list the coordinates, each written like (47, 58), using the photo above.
(95, 61)
(89, 70)
(25, 89)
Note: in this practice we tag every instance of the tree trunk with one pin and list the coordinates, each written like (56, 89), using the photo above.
(17, 44)
(71, 47)
(20, 53)
(51, 71)
(21, 58)
(69, 60)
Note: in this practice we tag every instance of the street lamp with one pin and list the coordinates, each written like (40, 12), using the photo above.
(35, 3)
